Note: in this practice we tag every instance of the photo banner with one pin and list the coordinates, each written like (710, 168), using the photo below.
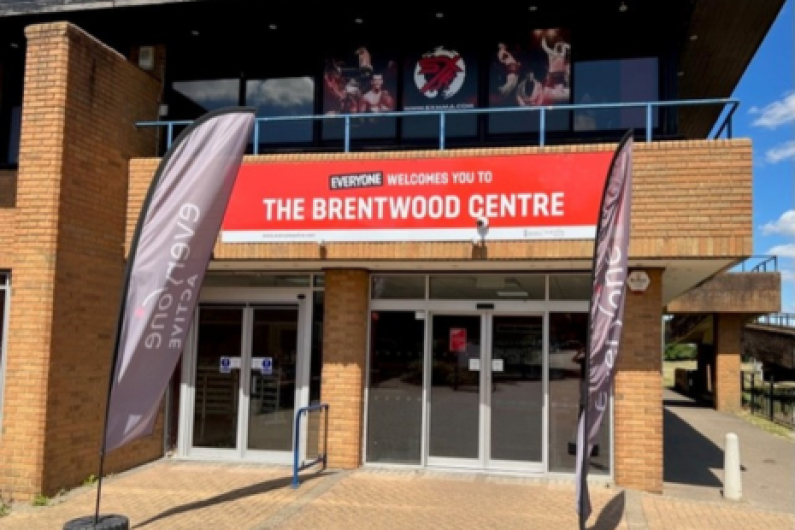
(606, 312)
(522, 197)
(176, 232)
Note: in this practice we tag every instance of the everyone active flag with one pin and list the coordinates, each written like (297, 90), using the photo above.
(173, 242)
(606, 311)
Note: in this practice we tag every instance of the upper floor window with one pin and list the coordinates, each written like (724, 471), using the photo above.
(282, 97)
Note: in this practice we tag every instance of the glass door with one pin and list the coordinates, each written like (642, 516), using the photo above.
(486, 391)
(250, 373)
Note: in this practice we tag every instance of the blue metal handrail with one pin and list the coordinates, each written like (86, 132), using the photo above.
(765, 264)
(780, 320)
(322, 457)
(442, 115)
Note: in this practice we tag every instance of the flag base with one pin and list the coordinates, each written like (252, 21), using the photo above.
(103, 522)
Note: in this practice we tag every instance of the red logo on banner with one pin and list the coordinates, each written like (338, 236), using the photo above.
(523, 197)
(458, 340)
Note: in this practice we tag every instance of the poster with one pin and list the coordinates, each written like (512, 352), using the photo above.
(532, 71)
(458, 340)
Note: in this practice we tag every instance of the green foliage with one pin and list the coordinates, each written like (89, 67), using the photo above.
(5, 505)
(680, 352)
(41, 500)
(90, 480)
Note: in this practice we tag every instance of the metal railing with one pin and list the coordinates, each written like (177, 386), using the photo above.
(758, 264)
(779, 320)
(649, 106)
(322, 456)
(774, 401)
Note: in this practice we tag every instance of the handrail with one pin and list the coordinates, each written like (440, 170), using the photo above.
(769, 263)
(322, 457)
(779, 320)
(442, 115)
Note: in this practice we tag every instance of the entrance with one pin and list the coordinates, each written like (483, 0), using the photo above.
(246, 378)
(486, 399)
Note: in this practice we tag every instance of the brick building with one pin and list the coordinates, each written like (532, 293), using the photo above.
(435, 343)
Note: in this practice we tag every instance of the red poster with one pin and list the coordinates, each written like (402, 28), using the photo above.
(516, 197)
(458, 340)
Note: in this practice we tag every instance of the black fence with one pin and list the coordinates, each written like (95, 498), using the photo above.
(769, 399)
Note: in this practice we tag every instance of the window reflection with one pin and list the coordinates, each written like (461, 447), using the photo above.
(282, 97)
(567, 339)
(192, 99)
(615, 81)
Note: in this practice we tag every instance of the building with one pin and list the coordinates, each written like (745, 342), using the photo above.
(435, 341)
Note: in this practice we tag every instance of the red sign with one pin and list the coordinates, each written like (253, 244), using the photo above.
(513, 197)
(458, 340)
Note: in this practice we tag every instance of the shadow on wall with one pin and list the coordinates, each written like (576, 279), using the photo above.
(8, 188)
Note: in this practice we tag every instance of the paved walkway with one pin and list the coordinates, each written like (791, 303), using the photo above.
(188, 495)
(174, 495)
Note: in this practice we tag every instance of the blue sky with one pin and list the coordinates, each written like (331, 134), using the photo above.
(767, 116)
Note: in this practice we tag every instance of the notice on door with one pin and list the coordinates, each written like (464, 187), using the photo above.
(458, 340)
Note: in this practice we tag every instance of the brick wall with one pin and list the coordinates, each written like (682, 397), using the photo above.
(728, 347)
(344, 358)
(81, 102)
(638, 410)
(691, 199)
(8, 188)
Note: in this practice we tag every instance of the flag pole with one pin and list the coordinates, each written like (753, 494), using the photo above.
(161, 170)
(582, 438)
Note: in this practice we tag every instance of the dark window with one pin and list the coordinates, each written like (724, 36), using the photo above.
(615, 81)
(283, 97)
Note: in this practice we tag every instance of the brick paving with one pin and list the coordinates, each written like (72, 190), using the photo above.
(192, 495)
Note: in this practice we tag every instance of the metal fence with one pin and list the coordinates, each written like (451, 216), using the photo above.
(316, 436)
(771, 400)
(779, 320)
(724, 125)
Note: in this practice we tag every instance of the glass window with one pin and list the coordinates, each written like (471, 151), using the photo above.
(14, 136)
(358, 83)
(192, 99)
(615, 81)
(567, 338)
(253, 279)
(441, 78)
(394, 403)
(283, 97)
(570, 287)
(528, 71)
(488, 287)
(398, 288)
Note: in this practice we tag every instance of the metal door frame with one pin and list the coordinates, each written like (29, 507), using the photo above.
(248, 299)
(483, 461)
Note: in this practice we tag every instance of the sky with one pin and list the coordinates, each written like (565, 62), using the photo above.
(767, 115)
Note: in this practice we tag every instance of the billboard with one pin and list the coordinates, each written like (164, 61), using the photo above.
(523, 197)
(360, 82)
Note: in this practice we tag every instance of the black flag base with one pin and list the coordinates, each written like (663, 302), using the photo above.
(103, 522)
(573, 449)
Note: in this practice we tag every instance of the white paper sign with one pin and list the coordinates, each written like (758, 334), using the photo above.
(474, 365)
(497, 365)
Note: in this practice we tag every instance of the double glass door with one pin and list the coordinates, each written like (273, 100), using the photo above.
(247, 379)
(486, 398)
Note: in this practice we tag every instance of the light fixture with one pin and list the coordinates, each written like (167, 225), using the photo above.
(15, 45)
(532, 8)
(680, 73)
(359, 21)
(622, 7)
(273, 26)
(439, 15)
(195, 32)
(693, 37)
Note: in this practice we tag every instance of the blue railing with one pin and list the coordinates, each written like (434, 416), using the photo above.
(757, 264)
(322, 456)
(650, 106)
(779, 320)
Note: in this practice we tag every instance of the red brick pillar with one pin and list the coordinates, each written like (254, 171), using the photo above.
(344, 360)
(728, 349)
(81, 102)
(638, 409)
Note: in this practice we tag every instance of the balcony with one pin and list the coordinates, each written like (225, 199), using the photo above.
(645, 118)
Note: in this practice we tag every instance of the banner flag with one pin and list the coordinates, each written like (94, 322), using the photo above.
(606, 311)
(172, 246)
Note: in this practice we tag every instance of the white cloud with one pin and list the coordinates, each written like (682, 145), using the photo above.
(785, 151)
(777, 113)
(783, 251)
(787, 275)
(783, 225)
(289, 92)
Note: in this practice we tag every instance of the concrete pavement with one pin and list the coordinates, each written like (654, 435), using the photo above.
(190, 495)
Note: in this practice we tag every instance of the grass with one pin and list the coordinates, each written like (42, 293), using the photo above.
(767, 425)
